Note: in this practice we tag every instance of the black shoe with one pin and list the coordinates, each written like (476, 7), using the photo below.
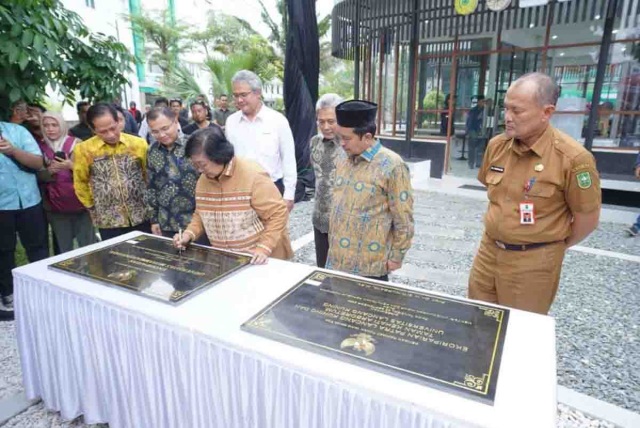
(6, 314)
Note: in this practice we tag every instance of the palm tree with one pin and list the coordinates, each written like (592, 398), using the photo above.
(180, 82)
(259, 58)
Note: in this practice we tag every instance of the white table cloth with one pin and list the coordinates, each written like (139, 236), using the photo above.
(132, 362)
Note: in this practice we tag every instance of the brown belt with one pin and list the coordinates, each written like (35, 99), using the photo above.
(522, 247)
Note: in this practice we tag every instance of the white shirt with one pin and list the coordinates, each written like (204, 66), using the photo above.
(144, 129)
(267, 140)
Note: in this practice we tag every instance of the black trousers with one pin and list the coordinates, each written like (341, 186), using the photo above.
(280, 185)
(119, 231)
(29, 224)
(322, 247)
(56, 247)
(379, 278)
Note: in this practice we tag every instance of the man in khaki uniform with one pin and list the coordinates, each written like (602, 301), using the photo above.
(544, 197)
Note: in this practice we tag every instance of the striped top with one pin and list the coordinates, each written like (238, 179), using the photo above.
(241, 210)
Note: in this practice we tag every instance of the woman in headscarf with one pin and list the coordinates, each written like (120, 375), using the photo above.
(69, 219)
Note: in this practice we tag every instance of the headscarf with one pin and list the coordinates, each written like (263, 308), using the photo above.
(57, 144)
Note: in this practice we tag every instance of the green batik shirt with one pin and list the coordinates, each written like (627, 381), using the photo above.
(170, 195)
(372, 214)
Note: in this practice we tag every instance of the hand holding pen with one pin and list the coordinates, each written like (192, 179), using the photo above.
(181, 240)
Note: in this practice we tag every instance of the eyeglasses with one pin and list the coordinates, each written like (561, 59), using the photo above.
(329, 122)
(164, 130)
(242, 95)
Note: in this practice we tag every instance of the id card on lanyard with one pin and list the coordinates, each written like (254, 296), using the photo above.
(527, 208)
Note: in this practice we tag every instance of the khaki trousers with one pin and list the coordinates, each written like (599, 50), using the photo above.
(526, 280)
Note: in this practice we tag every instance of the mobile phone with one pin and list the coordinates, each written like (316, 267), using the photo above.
(61, 155)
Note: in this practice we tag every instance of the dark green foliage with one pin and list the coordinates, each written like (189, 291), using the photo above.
(42, 44)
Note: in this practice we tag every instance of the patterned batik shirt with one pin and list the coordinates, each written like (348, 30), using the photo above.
(110, 180)
(325, 154)
(170, 195)
(372, 214)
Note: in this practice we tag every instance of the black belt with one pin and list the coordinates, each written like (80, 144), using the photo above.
(522, 247)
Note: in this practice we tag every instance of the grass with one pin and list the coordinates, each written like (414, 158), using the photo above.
(21, 254)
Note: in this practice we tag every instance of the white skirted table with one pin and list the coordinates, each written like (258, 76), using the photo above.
(115, 357)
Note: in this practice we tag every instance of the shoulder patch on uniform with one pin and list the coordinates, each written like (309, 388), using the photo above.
(584, 180)
(581, 166)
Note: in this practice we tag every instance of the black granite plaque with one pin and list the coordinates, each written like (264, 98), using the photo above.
(448, 343)
(150, 266)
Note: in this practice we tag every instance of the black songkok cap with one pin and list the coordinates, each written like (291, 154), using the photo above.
(356, 113)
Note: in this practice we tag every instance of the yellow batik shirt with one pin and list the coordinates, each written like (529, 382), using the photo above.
(110, 179)
(372, 214)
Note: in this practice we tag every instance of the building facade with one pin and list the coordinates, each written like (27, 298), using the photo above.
(424, 65)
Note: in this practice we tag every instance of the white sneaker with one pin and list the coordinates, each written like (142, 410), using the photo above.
(7, 302)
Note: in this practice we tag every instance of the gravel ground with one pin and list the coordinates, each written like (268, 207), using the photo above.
(11, 373)
(300, 220)
(38, 417)
(571, 418)
(595, 310)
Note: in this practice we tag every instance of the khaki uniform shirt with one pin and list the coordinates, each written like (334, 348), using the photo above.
(566, 182)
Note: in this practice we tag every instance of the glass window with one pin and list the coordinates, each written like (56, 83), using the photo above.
(512, 62)
(626, 26)
(400, 124)
(388, 96)
(618, 123)
(583, 32)
(435, 67)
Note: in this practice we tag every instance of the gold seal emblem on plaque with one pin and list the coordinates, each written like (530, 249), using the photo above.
(465, 7)
(361, 342)
(122, 275)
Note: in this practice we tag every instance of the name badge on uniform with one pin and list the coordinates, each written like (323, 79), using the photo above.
(527, 213)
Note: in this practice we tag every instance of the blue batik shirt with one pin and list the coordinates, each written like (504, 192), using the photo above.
(18, 188)
(170, 194)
